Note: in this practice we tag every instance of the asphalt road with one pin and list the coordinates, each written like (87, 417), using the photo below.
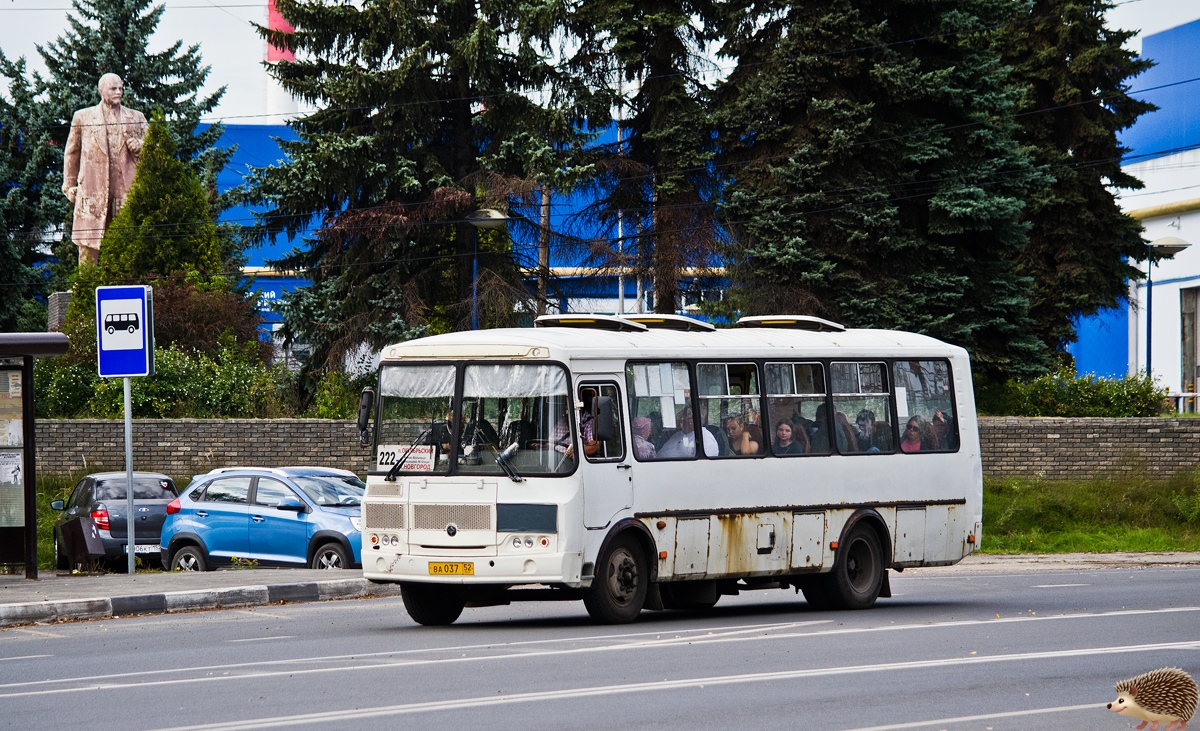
(1006, 651)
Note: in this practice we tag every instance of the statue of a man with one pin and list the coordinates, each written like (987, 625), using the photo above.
(99, 164)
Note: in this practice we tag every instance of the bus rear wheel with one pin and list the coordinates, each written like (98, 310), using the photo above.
(622, 580)
(430, 604)
(857, 574)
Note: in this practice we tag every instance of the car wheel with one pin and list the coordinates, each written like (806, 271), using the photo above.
(431, 604)
(188, 558)
(330, 556)
(622, 580)
(61, 561)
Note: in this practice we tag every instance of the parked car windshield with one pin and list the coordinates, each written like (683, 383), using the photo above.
(144, 488)
(332, 489)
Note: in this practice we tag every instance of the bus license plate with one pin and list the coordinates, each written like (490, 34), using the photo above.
(458, 569)
(141, 548)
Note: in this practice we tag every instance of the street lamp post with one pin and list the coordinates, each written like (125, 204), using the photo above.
(488, 218)
(1168, 246)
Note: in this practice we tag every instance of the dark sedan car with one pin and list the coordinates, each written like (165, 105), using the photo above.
(102, 499)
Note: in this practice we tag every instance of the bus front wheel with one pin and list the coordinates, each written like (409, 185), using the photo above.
(857, 573)
(622, 580)
(430, 604)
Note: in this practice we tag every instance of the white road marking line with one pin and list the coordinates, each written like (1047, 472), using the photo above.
(417, 651)
(262, 639)
(27, 657)
(681, 636)
(551, 695)
(259, 613)
(1055, 586)
(1187, 645)
(983, 717)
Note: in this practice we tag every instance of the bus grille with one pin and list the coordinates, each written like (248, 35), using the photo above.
(390, 490)
(383, 516)
(465, 517)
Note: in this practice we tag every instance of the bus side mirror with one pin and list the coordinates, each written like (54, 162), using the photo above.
(604, 419)
(364, 415)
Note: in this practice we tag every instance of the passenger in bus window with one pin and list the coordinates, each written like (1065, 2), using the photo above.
(683, 442)
(789, 440)
(818, 433)
(745, 437)
(872, 436)
(944, 430)
(641, 442)
(846, 440)
(918, 436)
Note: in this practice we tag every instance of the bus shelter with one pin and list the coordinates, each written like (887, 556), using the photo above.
(18, 450)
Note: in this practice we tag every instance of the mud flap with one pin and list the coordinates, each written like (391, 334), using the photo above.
(653, 598)
(885, 588)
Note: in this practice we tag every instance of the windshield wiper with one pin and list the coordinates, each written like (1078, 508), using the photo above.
(502, 460)
(391, 475)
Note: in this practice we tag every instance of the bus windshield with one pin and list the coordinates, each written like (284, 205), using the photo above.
(522, 411)
(514, 416)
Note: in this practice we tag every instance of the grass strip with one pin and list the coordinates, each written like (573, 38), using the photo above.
(1124, 512)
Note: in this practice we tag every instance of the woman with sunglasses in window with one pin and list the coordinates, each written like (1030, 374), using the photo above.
(918, 436)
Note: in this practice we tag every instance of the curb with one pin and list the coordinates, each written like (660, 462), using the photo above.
(189, 601)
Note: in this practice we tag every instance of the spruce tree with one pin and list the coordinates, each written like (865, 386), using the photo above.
(660, 180)
(165, 226)
(875, 179)
(1075, 73)
(427, 111)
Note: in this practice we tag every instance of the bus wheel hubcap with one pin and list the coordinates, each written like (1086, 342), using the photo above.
(623, 576)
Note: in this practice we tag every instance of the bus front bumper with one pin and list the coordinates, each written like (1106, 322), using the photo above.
(545, 568)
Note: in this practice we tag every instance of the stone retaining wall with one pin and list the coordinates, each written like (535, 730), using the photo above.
(1011, 446)
(1078, 448)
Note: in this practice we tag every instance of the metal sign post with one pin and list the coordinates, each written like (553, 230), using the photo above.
(125, 349)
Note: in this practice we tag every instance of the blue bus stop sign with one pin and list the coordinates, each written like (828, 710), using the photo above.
(125, 331)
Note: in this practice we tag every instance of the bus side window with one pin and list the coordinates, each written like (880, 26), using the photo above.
(796, 409)
(862, 414)
(925, 406)
(729, 409)
(608, 450)
(660, 411)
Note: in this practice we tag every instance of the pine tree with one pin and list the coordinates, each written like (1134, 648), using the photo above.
(876, 178)
(1075, 73)
(24, 148)
(427, 111)
(660, 180)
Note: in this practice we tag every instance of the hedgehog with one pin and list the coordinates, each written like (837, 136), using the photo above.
(1166, 696)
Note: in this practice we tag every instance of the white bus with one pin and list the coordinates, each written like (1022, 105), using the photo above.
(562, 462)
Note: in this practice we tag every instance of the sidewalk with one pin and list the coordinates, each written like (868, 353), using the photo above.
(59, 597)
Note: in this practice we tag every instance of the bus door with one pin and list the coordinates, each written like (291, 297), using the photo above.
(607, 469)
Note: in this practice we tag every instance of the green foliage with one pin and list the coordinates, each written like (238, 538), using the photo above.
(103, 36)
(399, 154)
(883, 186)
(1081, 246)
(1063, 393)
(165, 225)
(1125, 512)
(337, 394)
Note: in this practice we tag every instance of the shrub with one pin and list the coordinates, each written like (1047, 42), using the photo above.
(1062, 393)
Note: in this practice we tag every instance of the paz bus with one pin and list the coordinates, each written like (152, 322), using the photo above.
(654, 462)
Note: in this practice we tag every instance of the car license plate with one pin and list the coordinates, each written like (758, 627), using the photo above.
(458, 569)
(146, 548)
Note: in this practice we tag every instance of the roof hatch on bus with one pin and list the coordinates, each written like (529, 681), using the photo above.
(594, 322)
(671, 322)
(792, 322)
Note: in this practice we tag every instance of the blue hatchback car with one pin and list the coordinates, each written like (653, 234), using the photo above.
(287, 516)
